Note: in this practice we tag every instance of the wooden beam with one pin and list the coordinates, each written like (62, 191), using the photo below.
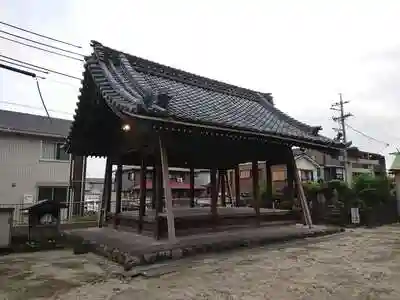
(167, 193)
(104, 199)
(214, 195)
(191, 179)
(237, 185)
(222, 174)
(118, 191)
(143, 192)
(256, 190)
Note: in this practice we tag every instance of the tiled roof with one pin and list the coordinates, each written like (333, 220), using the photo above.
(11, 121)
(135, 86)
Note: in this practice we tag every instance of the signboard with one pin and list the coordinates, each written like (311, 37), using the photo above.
(355, 215)
(28, 199)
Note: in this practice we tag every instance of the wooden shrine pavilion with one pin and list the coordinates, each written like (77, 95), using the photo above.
(137, 112)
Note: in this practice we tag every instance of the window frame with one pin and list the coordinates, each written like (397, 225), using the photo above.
(53, 188)
(57, 144)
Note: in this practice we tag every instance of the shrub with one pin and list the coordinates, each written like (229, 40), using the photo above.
(311, 190)
(372, 190)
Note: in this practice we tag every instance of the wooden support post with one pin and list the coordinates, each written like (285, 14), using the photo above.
(237, 185)
(290, 171)
(228, 187)
(106, 196)
(222, 174)
(167, 193)
(153, 188)
(118, 191)
(143, 192)
(268, 183)
(301, 195)
(191, 187)
(158, 202)
(160, 190)
(214, 196)
(256, 190)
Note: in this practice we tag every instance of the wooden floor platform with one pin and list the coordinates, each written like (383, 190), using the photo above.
(199, 219)
(134, 249)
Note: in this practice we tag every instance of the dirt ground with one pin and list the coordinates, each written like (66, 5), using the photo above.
(357, 264)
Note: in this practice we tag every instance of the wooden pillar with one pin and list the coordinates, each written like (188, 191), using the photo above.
(214, 195)
(256, 190)
(167, 193)
(157, 186)
(191, 187)
(229, 186)
(237, 185)
(118, 192)
(268, 183)
(143, 192)
(290, 172)
(153, 188)
(108, 189)
(106, 196)
(223, 187)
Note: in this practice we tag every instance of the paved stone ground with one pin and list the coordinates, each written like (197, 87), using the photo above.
(358, 264)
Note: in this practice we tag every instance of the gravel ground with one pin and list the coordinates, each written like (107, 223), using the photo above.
(357, 264)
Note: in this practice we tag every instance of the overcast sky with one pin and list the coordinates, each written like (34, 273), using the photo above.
(303, 52)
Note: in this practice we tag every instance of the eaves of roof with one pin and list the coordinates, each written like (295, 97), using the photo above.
(31, 133)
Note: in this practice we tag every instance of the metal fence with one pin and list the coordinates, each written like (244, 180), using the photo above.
(88, 211)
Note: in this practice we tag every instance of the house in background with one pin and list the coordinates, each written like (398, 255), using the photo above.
(308, 168)
(93, 193)
(361, 162)
(33, 163)
(312, 166)
(179, 180)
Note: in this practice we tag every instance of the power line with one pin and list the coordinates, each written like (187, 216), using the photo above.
(40, 43)
(41, 35)
(42, 49)
(22, 66)
(39, 67)
(366, 135)
(19, 71)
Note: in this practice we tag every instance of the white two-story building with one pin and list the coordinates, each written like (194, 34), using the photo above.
(33, 163)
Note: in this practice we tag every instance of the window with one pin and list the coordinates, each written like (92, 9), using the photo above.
(131, 176)
(52, 193)
(245, 174)
(360, 166)
(54, 151)
(279, 175)
(306, 175)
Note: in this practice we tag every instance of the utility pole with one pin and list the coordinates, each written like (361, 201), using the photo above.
(341, 136)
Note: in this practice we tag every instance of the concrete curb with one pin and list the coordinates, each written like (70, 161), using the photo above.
(130, 260)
